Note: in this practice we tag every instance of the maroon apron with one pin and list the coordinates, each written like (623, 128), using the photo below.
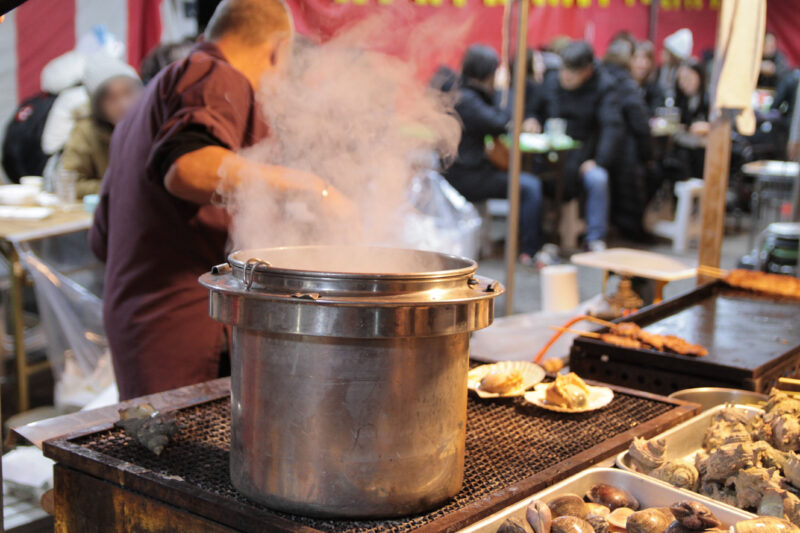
(156, 245)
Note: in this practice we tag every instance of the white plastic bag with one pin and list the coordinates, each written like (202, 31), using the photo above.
(72, 316)
(442, 219)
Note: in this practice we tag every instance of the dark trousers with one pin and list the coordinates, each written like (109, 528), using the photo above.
(492, 183)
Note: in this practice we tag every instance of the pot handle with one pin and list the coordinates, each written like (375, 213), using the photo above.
(249, 272)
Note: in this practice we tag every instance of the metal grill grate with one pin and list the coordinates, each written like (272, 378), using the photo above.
(507, 441)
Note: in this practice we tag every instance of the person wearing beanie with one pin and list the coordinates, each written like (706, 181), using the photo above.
(113, 87)
(677, 49)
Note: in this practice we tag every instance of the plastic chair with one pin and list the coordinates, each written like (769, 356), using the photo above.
(687, 223)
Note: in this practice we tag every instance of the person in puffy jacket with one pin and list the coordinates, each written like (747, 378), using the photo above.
(473, 173)
(629, 187)
(587, 99)
(113, 87)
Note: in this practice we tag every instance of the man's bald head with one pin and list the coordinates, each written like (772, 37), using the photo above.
(252, 22)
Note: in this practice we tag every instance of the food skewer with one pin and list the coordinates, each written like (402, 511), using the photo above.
(753, 280)
(610, 338)
(712, 272)
(630, 335)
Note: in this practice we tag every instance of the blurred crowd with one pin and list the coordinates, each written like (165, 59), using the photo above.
(641, 124)
(66, 128)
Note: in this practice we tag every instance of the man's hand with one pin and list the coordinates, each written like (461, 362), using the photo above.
(531, 125)
(587, 166)
(768, 67)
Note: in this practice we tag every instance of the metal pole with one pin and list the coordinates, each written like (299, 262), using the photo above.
(516, 157)
(653, 22)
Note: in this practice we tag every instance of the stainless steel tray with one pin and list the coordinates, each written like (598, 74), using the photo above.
(686, 439)
(649, 492)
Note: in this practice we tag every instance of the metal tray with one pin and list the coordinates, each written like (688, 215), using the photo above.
(752, 340)
(649, 492)
(686, 439)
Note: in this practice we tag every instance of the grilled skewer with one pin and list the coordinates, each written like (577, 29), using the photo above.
(753, 280)
(630, 335)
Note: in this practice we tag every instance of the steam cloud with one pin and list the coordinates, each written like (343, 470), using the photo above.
(355, 118)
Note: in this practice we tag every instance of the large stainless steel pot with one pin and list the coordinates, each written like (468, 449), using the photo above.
(349, 375)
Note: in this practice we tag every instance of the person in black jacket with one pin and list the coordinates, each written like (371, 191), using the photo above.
(643, 70)
(629, 190)
(774, 65)
(584, 96)
(472, 173)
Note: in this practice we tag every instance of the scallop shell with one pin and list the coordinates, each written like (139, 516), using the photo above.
(530, 373)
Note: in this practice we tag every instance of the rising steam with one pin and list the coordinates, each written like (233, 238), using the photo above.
(357, 119)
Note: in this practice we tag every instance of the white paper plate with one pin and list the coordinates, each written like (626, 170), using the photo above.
(598, 397)
(531, 375)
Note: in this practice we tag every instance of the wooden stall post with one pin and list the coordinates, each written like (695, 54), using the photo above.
(740, 37)
(515, 165)
(715, 175)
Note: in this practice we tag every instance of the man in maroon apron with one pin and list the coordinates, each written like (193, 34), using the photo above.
(155, 226)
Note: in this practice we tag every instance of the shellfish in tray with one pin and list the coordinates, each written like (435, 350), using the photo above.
(612, 497)
(694, 515)
(539, 517)
(568, 505)
(512, 525)
(765, 524)
(571, 524)
(647, 455)
(653, 520)
(504, 380)
(569, 394)
(678, 473)
(749, 459)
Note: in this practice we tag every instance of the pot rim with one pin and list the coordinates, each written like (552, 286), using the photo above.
(240, 264)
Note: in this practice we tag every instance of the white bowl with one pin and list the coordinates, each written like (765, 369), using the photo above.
(18, 194)
(32, 181)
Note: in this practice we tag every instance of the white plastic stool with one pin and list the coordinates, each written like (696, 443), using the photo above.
(570, 225)
(686, 225)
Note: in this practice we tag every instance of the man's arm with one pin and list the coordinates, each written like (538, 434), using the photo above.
(198, 175)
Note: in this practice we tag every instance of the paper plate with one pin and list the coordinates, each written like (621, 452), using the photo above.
(531, 375)
(598, 397)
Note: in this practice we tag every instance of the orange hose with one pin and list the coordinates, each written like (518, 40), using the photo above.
(571, 322)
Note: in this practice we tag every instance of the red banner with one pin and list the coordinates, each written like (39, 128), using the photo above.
(597, 21)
